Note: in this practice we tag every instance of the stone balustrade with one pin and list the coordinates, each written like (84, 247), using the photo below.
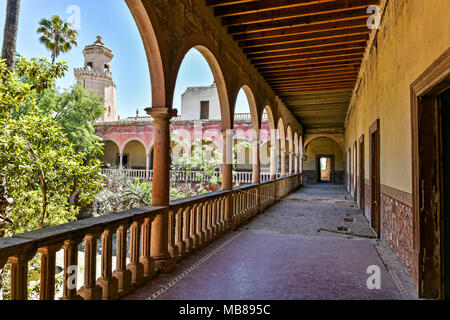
(193, 223)
(183, 176)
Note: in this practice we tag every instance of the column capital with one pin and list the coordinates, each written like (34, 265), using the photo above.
(162, 113)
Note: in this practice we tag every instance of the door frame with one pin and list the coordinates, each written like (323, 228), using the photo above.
(362, 174)
(427, 243)
(375, 184)
(332, 157)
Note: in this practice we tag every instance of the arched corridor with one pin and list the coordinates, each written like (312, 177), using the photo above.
(346, 168)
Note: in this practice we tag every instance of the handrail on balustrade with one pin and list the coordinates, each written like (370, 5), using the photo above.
(44, 237)
(203, 224)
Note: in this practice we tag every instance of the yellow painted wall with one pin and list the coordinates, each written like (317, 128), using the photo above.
(323, 146)
(110, 153)
(137, 157)
(414, 33)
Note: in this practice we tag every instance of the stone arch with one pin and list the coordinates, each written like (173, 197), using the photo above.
(147, 148)
(296, 143)
(255, 121)
(110, 154)
(290, 138)
(137, 153)
(324, 135)
(199, 43)
(270, 117)
(152, 49)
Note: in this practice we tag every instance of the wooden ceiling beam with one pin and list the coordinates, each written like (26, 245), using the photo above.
(312, 62)
(308, 44)
(321, 49)
(315, 79)
(261, 6)
(305, 37)
(327, 26)
(324, 66)
(337, 6)
(313, 88)
(297, 22)
(303, 57)
(220, 3)
(314, 83)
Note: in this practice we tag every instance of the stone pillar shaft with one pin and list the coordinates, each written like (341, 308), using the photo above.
(161, 186)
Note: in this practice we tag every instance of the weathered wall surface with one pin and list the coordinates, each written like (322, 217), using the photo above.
(191, 101)
(413, 34)
(322, 146)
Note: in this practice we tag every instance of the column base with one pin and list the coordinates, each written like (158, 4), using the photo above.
(137, 272)
(110, 288)
(165, 265)
(124, 280)
(149, 267)
(94, 293)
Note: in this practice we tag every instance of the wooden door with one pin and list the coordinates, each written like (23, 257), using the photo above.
(375, 177)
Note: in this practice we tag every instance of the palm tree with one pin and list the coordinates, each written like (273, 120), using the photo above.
(57, 35)
(10, 33)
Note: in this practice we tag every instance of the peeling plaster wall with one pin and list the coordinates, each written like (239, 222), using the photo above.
(413, 34)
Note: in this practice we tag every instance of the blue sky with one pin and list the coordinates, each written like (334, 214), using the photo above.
(112, 20)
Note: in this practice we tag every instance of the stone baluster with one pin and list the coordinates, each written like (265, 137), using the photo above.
(19, 274)
(198, 226)
(108, 283)
(122, 274)
(209, 211)
(135, 266)
(192, 227)
(48, 269)
(186, 230)
(71, 269)
(173, 247)
(90, 290)
(214, 218)
(146, 257)
(179, 233)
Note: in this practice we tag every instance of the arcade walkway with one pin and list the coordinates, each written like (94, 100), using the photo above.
(294, 250)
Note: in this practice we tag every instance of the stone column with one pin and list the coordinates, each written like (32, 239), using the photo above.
(161, 187)
(302, 157)
(283, 163)
(121, 161)
(296, 160)
(273, 155)
(291, 163)
(256, 169)
(256, 161)
(227, 175)
(147, 166)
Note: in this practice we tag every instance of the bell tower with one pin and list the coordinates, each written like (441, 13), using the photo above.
(96, 75)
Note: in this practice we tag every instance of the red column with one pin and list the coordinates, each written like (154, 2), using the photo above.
(161, 187)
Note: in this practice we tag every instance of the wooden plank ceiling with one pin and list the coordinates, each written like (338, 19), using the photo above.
(309, 51)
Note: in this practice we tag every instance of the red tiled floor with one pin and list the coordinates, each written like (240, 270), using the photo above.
(262, 264)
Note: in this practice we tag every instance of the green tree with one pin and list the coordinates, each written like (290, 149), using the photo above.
(76, 111)
(10, 33)
(39, 166)
(57, 36)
